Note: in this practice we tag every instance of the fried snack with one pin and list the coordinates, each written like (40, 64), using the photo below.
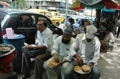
(77, 68)
(52, 63)
(86, 68)
(3, 49)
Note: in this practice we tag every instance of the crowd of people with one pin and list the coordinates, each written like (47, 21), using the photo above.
(77, 46)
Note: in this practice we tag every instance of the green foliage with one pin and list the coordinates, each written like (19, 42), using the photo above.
(22, 3)
(118, 1)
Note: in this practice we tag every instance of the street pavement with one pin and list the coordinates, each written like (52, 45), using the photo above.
(109, 63)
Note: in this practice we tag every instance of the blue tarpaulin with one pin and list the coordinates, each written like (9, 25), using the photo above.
(1, 6)
(109, 10)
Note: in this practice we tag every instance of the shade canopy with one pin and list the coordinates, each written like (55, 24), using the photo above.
(110, 4)
(109, 10)
(94, 4)
(90, 2)
(118, 7)
(75, 4)
(99, 5)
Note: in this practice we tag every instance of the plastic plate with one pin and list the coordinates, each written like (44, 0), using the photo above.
(80, 71)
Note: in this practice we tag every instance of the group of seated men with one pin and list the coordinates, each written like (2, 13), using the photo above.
(65, 52)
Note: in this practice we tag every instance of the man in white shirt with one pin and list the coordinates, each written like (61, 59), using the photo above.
(44, 43)
(88, 46)
(85, 22)
(60, 53)
(108, 40)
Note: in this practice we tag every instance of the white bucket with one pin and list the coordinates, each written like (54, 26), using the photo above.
(9, 33)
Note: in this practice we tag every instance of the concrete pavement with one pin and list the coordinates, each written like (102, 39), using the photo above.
(109, 63)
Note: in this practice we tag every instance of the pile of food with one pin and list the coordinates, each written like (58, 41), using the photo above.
(6, 49)
(83, 69)
(86, 68)
(52, 63)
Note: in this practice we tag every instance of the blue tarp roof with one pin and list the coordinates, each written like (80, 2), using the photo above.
(109, 10)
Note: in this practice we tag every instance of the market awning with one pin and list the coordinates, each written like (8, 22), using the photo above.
(93, 4)
(109, 10)
(75, 4)
(110, 4)
(118, 7)
(79, 8)
(99, 5)
(90, 2)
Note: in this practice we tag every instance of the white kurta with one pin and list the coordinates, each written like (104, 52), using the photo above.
(109, 38)
(63, 51)
(90, 50)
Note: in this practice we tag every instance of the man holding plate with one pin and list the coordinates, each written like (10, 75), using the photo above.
(88, 46)
(60, 56)
(41, 51)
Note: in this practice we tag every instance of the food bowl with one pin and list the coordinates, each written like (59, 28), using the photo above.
(6, 49)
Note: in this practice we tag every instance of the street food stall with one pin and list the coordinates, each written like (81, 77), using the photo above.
(7, 55)
(17, 42)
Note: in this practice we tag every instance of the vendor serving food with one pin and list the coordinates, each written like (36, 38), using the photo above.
(87, 45)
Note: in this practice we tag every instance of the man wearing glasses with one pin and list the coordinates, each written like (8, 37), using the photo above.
(44, 41)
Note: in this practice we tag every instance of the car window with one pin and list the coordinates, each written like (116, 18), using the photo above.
(34, 20)
(11, 21)
(26, 20)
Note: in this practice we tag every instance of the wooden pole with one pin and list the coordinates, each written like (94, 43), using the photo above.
(66, 13)
(1, 38)
(98, 16)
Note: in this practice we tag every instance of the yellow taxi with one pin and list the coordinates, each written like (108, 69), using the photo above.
(41, 11)
(56, 18)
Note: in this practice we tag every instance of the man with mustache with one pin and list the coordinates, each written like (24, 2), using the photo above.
(60, 54)
(41, 51)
